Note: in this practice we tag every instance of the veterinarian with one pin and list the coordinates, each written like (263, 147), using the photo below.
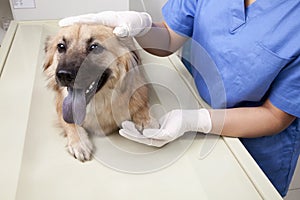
(255, 46)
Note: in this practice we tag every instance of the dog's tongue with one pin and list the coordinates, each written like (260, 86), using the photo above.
(74, 106)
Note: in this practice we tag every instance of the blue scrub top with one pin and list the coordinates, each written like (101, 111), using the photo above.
(254, 56)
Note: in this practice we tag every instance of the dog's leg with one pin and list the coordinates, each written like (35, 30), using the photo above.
(79, 144)
(141, 115)
(143, 119)
(139, 108)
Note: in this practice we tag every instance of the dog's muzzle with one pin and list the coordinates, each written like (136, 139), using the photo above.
(66, 77)
(81, 86)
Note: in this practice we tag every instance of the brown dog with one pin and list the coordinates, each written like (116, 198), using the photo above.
(97, 83)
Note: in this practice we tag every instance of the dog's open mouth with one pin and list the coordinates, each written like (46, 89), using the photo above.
(74, 105)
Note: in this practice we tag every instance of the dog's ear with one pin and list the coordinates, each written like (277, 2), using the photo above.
(135, 58)
(50, 51)
(132, 59)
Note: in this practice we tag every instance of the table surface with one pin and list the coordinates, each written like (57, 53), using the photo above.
(35, 164)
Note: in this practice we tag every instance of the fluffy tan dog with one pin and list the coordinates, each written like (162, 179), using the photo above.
(97, 82)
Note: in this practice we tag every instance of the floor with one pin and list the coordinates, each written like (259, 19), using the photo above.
(294, 191)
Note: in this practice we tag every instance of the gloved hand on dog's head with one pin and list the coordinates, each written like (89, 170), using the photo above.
(125, 23)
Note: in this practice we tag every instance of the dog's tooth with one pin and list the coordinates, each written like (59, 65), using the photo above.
(91, 87)
(87, 91)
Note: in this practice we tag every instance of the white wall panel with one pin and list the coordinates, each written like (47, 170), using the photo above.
(56, 9)
(150, 6)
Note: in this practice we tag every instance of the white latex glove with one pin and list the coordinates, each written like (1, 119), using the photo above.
(173, 125)
(126, 23)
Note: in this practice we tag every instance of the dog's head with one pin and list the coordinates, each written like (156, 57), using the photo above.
(85, 59)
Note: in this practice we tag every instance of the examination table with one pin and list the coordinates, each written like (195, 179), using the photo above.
(35, 165)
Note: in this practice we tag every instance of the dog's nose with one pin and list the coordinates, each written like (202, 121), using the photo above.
(66, 77)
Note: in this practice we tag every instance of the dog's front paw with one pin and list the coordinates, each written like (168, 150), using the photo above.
(152, 123)
(81, 148)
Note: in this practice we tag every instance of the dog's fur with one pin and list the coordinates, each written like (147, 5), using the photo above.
(121, 95)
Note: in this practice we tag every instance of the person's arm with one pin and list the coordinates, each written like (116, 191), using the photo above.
(161, 40)
(250, 121)
(236, 122)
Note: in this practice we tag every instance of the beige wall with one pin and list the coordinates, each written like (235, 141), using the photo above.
(56, 9)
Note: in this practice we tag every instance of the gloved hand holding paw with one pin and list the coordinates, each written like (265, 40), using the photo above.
(172, 125)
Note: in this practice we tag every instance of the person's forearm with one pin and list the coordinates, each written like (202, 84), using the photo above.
(249, 122)
(156, 41)
(161, 40)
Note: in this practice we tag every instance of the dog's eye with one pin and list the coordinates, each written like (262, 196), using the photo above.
(61, 48)
(96, 48)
